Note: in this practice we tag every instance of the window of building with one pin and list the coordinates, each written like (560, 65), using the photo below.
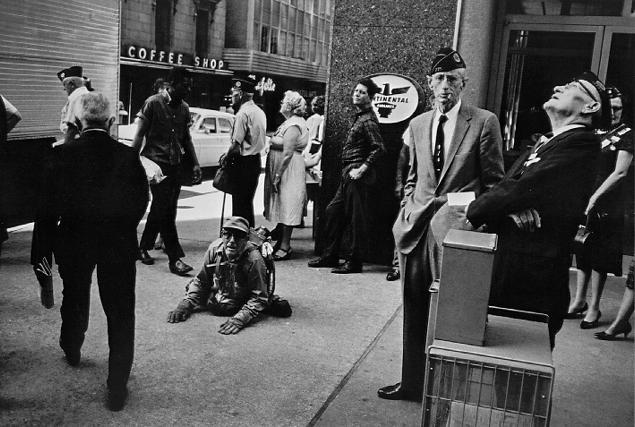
(162, 24)
(273, 47)
(202, 32)
(570, 7)
(264, 39)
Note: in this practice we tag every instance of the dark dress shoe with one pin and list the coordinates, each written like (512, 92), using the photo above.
(395, 392)
(348, 267)
(393, 275)
(180, 268)
(145, 257)
(73, 357)
(592, 324)
(323, 262)
(117, 399)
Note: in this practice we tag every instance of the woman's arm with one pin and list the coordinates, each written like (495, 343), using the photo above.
(622, 163)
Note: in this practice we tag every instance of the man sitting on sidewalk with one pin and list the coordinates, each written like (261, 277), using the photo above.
(233, 282)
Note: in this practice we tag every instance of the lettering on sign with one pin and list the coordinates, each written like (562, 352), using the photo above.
(398, 99)
(174, 58)
(266, 85)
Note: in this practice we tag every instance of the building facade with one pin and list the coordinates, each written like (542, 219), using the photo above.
(157, 35)
(283, 43)
(516, 52)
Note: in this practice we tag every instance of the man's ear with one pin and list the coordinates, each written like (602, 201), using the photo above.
(110, 122)
(591, 107)
(429, 78)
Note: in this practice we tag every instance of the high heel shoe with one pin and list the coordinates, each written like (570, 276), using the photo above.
(613, 337)
(592, 324)
(577, 312)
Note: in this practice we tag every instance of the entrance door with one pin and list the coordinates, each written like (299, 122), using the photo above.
(536, 57)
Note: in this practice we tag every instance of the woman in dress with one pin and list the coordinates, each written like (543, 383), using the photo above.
(285, 188)
(605, 210)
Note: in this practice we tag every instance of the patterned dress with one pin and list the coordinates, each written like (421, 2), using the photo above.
(286, 206)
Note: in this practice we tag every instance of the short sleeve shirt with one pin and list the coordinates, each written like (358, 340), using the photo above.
(250, 129)
(168, 129)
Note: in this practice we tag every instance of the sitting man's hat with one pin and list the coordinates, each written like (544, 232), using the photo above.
(446, 59)
(605, 102)
(237, 223)
(74, 71)
(247, 84)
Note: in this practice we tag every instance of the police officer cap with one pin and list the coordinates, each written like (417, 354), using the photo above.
(247, 84)
(237, 223)
(605, 102)
(74, 71)
(447, 59)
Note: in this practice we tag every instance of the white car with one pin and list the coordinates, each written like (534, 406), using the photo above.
(210, 130)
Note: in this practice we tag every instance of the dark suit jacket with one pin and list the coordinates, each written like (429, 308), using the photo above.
(558, 186)
(474, 163)
(96, 194)
(531, 268)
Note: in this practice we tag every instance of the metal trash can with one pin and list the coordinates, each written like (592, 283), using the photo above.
(508, 381)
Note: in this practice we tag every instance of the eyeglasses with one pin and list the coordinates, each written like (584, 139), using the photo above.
(584, 88)
(236, 234)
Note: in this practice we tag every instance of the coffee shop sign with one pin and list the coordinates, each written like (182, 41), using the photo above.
(174, 58)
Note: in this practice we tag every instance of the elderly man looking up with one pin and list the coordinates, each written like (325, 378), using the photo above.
(88, 219)
(536, 208)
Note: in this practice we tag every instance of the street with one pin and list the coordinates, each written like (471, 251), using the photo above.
(321, 366)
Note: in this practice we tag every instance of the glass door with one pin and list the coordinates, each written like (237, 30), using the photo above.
(536, 58)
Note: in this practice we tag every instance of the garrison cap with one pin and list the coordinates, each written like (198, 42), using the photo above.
(247, 84)
(446, 59)
(237, 223)
(605, 102)
(74, 71)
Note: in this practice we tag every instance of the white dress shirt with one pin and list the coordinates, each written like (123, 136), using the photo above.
(448, 128)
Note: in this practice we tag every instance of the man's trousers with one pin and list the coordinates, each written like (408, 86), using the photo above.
(116, 282)
(162, 216)
(248, 170)
(349, 207)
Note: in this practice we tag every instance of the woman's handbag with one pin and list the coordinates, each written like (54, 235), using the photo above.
(224, 178)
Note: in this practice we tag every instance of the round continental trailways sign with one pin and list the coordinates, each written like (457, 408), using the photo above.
(398, 99)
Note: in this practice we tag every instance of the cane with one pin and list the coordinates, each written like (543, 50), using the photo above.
(222, 216)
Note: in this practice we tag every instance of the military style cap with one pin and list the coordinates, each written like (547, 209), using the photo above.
(247, 84)
(74, 71)
(446, 59)
(604, 100)
(237, 223)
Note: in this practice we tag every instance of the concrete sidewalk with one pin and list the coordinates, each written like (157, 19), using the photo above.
(322, 366)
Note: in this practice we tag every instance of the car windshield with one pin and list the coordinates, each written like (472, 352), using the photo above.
(194, 117)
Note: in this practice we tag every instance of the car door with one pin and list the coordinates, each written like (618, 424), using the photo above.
(206, 137)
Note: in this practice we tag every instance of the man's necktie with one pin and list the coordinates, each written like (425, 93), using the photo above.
(437, 158)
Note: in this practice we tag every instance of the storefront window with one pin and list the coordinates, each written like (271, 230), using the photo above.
(536, 62)
(568, 7)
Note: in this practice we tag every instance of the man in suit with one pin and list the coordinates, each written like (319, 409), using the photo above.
(99, 194)
(536, 208)
(453, 148)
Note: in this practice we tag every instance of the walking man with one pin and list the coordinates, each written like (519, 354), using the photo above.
(164, 120)
(98, 194)
(455, 147)
(74, 86)
(363, 148)
(247, 142)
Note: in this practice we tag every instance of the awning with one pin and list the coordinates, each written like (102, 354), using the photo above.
(158, 65)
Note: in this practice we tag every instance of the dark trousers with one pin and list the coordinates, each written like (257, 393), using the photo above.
(416, 278)
(349, 207)
(247, 173)
(116, 281)
(162, 216)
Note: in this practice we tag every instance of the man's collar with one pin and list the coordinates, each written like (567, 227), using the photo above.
(364, 110)
(95, 130)
(250, 102)
(452, 113)
(566, 128)
(77, 93)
